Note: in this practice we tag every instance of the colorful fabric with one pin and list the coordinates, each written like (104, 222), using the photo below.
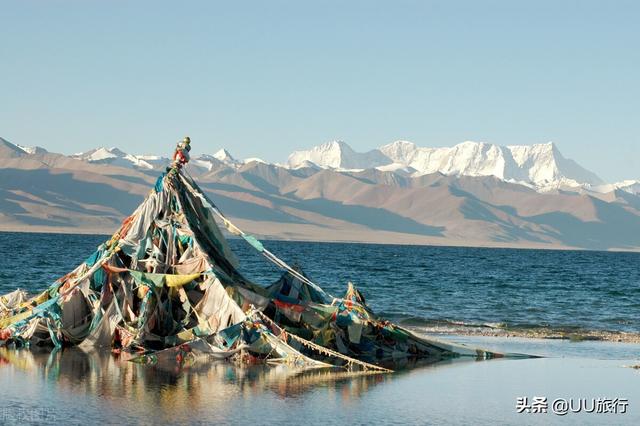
(161, 280)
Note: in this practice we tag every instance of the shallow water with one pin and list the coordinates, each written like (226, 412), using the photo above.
(72, 387)
(421, 285)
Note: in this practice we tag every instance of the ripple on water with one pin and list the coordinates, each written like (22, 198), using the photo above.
(590, 290)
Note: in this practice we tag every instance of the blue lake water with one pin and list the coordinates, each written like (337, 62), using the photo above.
(420, 286)
(416, 285)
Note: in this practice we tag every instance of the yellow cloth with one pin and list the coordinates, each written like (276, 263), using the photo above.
(14, 319)
(179, 280)
(39, 299)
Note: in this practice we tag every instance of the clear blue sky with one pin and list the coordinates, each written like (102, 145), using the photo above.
(265, 78)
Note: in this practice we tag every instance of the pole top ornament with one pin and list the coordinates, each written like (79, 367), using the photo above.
(181, 154)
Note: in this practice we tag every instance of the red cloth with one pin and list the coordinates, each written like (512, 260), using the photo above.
(284, 305)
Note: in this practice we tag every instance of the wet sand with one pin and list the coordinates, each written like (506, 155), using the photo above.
(72, 386)
(535, 333)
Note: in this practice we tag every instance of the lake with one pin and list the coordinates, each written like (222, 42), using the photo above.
(458, 293)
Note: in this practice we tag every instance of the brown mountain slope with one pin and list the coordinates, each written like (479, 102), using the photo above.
(51, 192)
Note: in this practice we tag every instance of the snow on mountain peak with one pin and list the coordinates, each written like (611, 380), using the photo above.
(10, 150)
(540, 165)
(254, 160)
(545, 165)
(337, 155)
(328, 154)
(101, 154)
(224, 156)
(400, 151)
(116, 157)
(17, 149)
(32, 149)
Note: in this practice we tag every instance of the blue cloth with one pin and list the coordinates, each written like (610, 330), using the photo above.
(231, 334)
(91, 260)
(99, 278)
(158, 186)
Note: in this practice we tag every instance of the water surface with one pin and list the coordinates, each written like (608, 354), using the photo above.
(421, 286)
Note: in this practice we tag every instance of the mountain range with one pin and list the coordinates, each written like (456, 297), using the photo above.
(475, 194)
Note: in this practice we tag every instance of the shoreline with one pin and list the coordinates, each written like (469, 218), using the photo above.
(578, 336)
(430, 242)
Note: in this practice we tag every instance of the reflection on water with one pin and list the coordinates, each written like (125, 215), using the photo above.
(74, 387)
(107, 374)
(174, 393)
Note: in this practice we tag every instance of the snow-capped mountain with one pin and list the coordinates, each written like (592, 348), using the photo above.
(116, 157)
(205, 161)
(32, 149)
(18, 150)
(222, 157)
(337, 155)
(226, 157)
(630, 186)
(541, 166)
(469, 194)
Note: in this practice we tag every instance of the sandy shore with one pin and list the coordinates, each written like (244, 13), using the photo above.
(267, 231)
(541, 333)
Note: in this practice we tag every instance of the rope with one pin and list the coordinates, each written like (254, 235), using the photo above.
(325, 351)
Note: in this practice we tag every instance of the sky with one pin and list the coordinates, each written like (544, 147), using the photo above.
(265, 78)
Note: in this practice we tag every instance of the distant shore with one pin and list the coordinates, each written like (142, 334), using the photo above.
(372, 237)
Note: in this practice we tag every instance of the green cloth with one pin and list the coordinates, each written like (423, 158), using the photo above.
(161, 280)
(254, 242)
